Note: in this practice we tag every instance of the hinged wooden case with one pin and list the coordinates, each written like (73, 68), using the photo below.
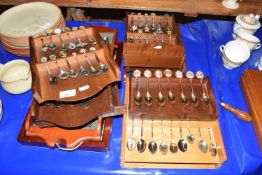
(156, 119)
(159, 51)
(65, 121)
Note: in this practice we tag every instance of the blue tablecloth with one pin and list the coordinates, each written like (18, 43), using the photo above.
(202, 40)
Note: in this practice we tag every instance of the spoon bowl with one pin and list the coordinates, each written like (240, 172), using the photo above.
(152, 146)
(191, 138)
(141, 145)
(163, 147)
(131, 144)
(173, 146)
(202, 145)
(182, 145)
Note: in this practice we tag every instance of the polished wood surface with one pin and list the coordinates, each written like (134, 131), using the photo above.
(43, 91)
(149, 50)
(193, 158)
(178, 110)
(76, 114)
(97, 139)
(191, 8)
(251, 84)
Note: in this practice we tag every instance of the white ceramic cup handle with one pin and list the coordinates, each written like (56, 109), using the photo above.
(258, 45)
(68, 149)
(222, 47)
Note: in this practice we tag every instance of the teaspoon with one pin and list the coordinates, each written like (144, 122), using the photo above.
(173, 146)
(160, 97)
(163, 146)
(141, 144)
(102, 66)
(182, 143)
(52, 45)
(131, 142)
(44, 47)
(146, 28)
(159, 28)
(58, 32)
(94, 71)
(80, 43)
(87, 36)
(84, 72)
(190, 136)
(202, 144)
(71, 45)
(200, 76)
(183, 98)
(152, 146)
(63, 74)
(148, 97)
(138, 98)
(213, 147)
(52, 79)
(153, 26)
(169, 32)
(72, 72)
(171, 96)
(190, 76)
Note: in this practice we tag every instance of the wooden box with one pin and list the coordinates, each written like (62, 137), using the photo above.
(251, 84)
(176, 121)
(149, 49)
(61, 113)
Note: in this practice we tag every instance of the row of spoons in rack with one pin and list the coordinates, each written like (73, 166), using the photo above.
(49, 47)
(73, 73)
(148, 100)
(141, 145)
(148, 27)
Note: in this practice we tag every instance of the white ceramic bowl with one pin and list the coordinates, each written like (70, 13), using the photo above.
(234, 54)
(252, 41)
(15, 76)
(29, 19)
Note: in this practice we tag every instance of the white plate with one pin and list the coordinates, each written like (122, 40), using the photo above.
(29, 19)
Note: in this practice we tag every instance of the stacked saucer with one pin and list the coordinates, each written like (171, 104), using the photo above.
(29, 19)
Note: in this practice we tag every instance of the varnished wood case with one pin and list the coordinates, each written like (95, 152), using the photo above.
(251, 84)
(187, 117)
(140, 54)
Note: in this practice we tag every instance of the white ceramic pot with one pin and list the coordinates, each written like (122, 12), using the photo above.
(15, 76)
(252, 41)
(234, 54)
(246, 23)
(231, 4)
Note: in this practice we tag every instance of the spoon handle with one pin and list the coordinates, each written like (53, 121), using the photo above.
(210, 135)
(239, 113)
(199, 130)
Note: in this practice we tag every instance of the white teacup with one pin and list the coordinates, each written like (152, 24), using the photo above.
(252, 41)
(231, 4)
(235, 53)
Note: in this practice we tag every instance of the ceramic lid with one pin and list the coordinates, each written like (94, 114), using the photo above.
(249, 21)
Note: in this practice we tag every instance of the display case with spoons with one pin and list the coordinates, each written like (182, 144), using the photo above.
(181, 131)
(153, 41)
(73, 71)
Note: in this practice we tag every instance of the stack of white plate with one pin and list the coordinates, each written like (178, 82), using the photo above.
(29, 19)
